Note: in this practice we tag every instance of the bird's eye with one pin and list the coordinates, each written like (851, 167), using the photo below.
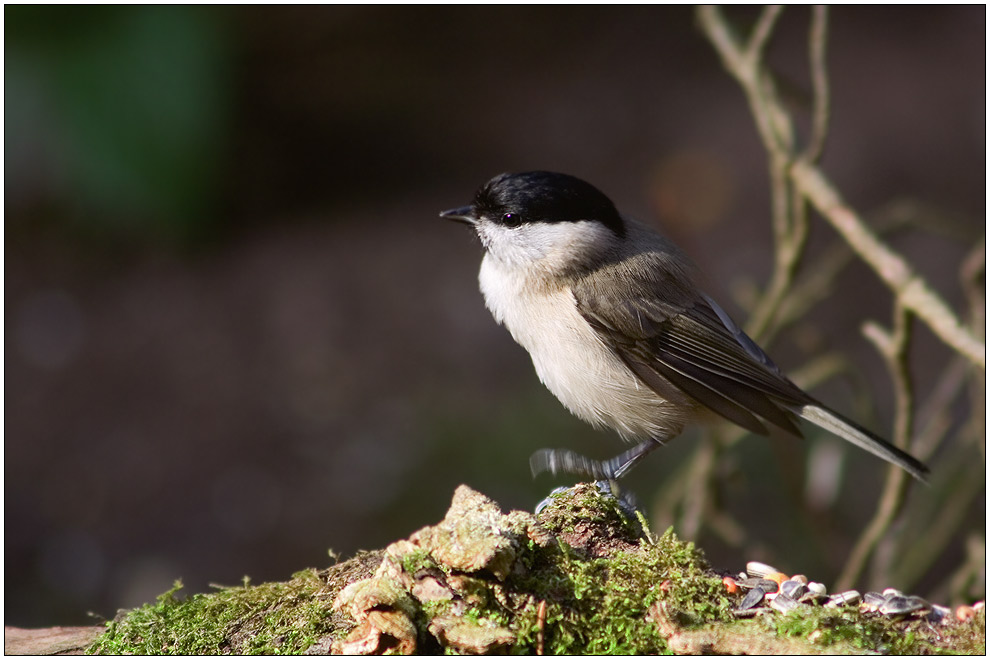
(512, 219)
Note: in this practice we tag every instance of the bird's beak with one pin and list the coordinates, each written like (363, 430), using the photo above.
(463, 214)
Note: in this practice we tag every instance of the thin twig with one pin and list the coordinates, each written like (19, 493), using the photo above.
(743, 62)
(916, 559)
(972, 276)
(893, 346)
(790, 238)
(761, 32)
(914, 293)
(797, 181)
(910, 288)
(819, 84)
(790, 228)
(819, 277)
(699, 490)
(935, 415)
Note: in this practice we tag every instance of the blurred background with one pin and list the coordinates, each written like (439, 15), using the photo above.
(237, 335)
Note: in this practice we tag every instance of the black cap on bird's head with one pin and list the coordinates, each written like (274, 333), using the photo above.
(530, 197)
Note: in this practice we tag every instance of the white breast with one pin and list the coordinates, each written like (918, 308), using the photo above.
(570, 359)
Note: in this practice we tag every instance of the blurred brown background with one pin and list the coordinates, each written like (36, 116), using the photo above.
(237, 334)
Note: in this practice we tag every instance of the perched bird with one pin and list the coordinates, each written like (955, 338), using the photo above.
(618, 330)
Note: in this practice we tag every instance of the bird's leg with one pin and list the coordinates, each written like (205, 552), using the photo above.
(605, 473)
(625, 499)
(564, 460)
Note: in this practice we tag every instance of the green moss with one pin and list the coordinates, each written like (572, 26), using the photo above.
(847, 630)
(969, 638)
(585, 505)
(611, 597)
(595, 597)
(827, 627)
(416, 561)
(599, 604)
(588, 586)
(276, 617)
(269, 618)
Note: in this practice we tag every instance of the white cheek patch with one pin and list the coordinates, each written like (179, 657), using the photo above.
(545, 245)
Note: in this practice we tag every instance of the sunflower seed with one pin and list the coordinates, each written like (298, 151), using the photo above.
(937, 614)
(753, 598)
(784, 603)
(850, 597)
(812, 598)
(793, 588)
(896, 605)
(768, 586)
(759, 569)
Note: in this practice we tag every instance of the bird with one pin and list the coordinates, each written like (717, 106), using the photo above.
(617, 328)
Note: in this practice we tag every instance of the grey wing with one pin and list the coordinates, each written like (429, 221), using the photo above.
(674, 335)
(751, 346)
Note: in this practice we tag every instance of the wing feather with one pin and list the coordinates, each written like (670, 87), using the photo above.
(675, 335)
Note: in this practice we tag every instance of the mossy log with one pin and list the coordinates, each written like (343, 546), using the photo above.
(580, 577)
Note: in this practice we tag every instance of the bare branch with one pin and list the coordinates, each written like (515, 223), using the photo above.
(761, 33)
(742, 63)
(893, 346)
(819, 84)
(911, 290)
(972, 276)
(790, 228)
(797, 182)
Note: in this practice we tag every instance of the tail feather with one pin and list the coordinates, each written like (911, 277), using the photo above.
(844, 428)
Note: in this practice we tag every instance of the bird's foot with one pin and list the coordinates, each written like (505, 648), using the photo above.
(624, 499)
(556, 461)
